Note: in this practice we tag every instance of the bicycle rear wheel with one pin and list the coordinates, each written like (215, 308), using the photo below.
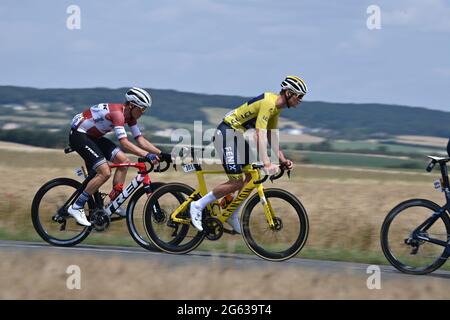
(167, 235)
(291, 229)
(409, 253)
(48, 206)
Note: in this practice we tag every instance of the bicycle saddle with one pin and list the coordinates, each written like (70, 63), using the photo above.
(439, 159)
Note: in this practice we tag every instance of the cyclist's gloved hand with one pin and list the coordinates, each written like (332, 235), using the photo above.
(165, 156)
(287, 165)
(153, 158)
(270, 169)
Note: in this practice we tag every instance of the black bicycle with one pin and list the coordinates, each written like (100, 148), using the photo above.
(415, 235)
(54, 224)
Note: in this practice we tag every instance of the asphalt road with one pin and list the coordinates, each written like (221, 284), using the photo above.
(224, 259)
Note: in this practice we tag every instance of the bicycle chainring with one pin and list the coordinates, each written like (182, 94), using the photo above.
(213, 228)
(100, 220)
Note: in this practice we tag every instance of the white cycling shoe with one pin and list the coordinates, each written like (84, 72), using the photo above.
(196, 217)
(79, 216)
(233, 221)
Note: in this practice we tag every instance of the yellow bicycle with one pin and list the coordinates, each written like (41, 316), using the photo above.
(274, 222)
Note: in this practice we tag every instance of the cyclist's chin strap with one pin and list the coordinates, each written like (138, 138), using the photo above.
(287, 99)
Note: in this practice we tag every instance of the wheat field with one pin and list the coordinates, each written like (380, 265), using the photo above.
(346, 206)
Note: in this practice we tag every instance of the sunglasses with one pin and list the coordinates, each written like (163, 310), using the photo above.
(136, 106)
(298, 96)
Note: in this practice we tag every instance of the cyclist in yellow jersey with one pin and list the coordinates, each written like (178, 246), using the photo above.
(260, 113)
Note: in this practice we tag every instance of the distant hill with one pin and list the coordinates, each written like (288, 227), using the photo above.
(337, 120)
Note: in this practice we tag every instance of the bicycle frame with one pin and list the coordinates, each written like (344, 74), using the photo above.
(142, 177)
(228, 211)
(445, 209)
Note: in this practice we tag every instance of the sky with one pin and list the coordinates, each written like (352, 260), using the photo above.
(234, 47)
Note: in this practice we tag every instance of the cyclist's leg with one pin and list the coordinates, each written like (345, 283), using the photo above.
(234, 151)
(226, 150)
(114, 154)
(95, 160)
(91, 153)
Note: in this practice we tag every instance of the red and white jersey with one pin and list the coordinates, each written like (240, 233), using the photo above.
(103, 118)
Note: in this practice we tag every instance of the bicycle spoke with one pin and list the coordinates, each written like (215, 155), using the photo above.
(402, 248)
(289, 233)
(47, 205)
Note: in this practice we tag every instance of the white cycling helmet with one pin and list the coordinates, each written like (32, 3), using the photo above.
(294, 84)
(139, 97)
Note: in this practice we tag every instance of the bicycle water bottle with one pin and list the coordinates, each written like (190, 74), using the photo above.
(226, 200)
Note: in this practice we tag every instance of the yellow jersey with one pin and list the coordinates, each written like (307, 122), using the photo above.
(259, 112)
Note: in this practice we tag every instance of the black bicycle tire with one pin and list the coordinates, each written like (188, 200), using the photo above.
(385, 232)
(164, 246)
(148, 245)
(303, 232)
(35, 213)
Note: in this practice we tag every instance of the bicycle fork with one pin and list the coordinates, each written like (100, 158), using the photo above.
(268, 210)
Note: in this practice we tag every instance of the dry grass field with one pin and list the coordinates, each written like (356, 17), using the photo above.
(346, 206)
(423, 140)
(40, 276)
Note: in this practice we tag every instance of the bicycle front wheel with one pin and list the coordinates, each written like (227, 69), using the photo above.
(135, 217)
(50, 218)
(408, 251)
(289, 235)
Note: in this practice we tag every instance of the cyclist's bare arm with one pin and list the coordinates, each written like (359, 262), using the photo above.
(274, 143)
(262, 143)
(261, 137)
(130, 147)
(147, 145)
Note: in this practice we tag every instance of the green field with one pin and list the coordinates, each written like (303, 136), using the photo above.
(358, 160)
(383, 147)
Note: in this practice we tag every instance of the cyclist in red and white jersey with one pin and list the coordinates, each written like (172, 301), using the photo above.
(87, 139)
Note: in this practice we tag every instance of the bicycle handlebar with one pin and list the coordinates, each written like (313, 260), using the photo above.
(278, 175)
(149, 162)
(272, 177)
(158, 167)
